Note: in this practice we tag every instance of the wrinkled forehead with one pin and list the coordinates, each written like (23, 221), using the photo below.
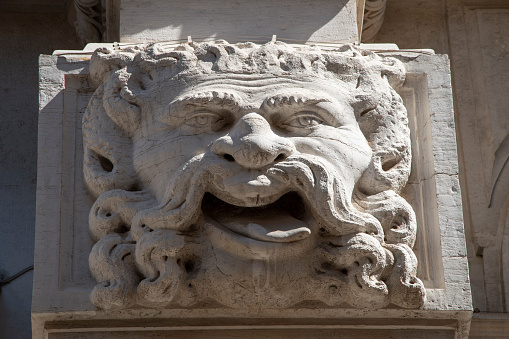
(258, 87)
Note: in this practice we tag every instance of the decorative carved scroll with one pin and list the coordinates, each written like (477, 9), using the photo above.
(244, 175)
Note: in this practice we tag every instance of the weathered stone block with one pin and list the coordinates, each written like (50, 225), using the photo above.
(266, 187)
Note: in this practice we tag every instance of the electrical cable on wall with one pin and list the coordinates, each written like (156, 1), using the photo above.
(15, 276)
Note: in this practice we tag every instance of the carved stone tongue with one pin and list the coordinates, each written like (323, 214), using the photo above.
(275, 228)
(281, 221)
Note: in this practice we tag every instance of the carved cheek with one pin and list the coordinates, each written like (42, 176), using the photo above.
(345, 148)
(358, 147)
(155, 154)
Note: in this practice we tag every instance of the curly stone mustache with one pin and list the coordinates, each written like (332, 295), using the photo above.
(362, 253)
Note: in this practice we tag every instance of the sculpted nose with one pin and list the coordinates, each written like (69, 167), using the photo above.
(252, 144)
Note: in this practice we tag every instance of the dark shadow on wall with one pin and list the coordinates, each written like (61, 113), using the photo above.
(23, 36)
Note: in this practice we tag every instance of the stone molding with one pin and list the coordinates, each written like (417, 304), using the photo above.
(480, 75)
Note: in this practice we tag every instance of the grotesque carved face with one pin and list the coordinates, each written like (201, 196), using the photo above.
(251, 122)
(248, 124)
(216, 164)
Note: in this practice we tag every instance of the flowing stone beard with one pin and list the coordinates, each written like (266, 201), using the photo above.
(302, 187)
(308, 206)
(183, 248)
(296, 202)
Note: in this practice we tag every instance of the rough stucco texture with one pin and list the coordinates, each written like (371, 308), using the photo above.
(23, 36)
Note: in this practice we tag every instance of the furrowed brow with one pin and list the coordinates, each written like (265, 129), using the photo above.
(291, 100)
(181, 105)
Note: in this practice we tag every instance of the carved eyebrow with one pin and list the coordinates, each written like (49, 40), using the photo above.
(285, 100)
(207, 98)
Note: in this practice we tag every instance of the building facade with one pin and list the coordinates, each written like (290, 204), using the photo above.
(472, 34)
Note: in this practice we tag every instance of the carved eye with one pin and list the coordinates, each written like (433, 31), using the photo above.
(204, 119)
(303, 120)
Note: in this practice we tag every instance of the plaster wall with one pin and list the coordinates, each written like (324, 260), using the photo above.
(23, 36)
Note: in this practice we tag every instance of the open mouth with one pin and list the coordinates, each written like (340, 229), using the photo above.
(285, 220)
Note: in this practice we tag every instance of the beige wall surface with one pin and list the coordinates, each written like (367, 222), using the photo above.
(475, 34)
(415, 24)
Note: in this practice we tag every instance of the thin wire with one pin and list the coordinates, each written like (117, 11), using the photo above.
(10, 279)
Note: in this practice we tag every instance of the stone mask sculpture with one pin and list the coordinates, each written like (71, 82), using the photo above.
(243, 175)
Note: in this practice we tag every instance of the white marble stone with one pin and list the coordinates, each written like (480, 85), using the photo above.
(249, 181)
(270, 170)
